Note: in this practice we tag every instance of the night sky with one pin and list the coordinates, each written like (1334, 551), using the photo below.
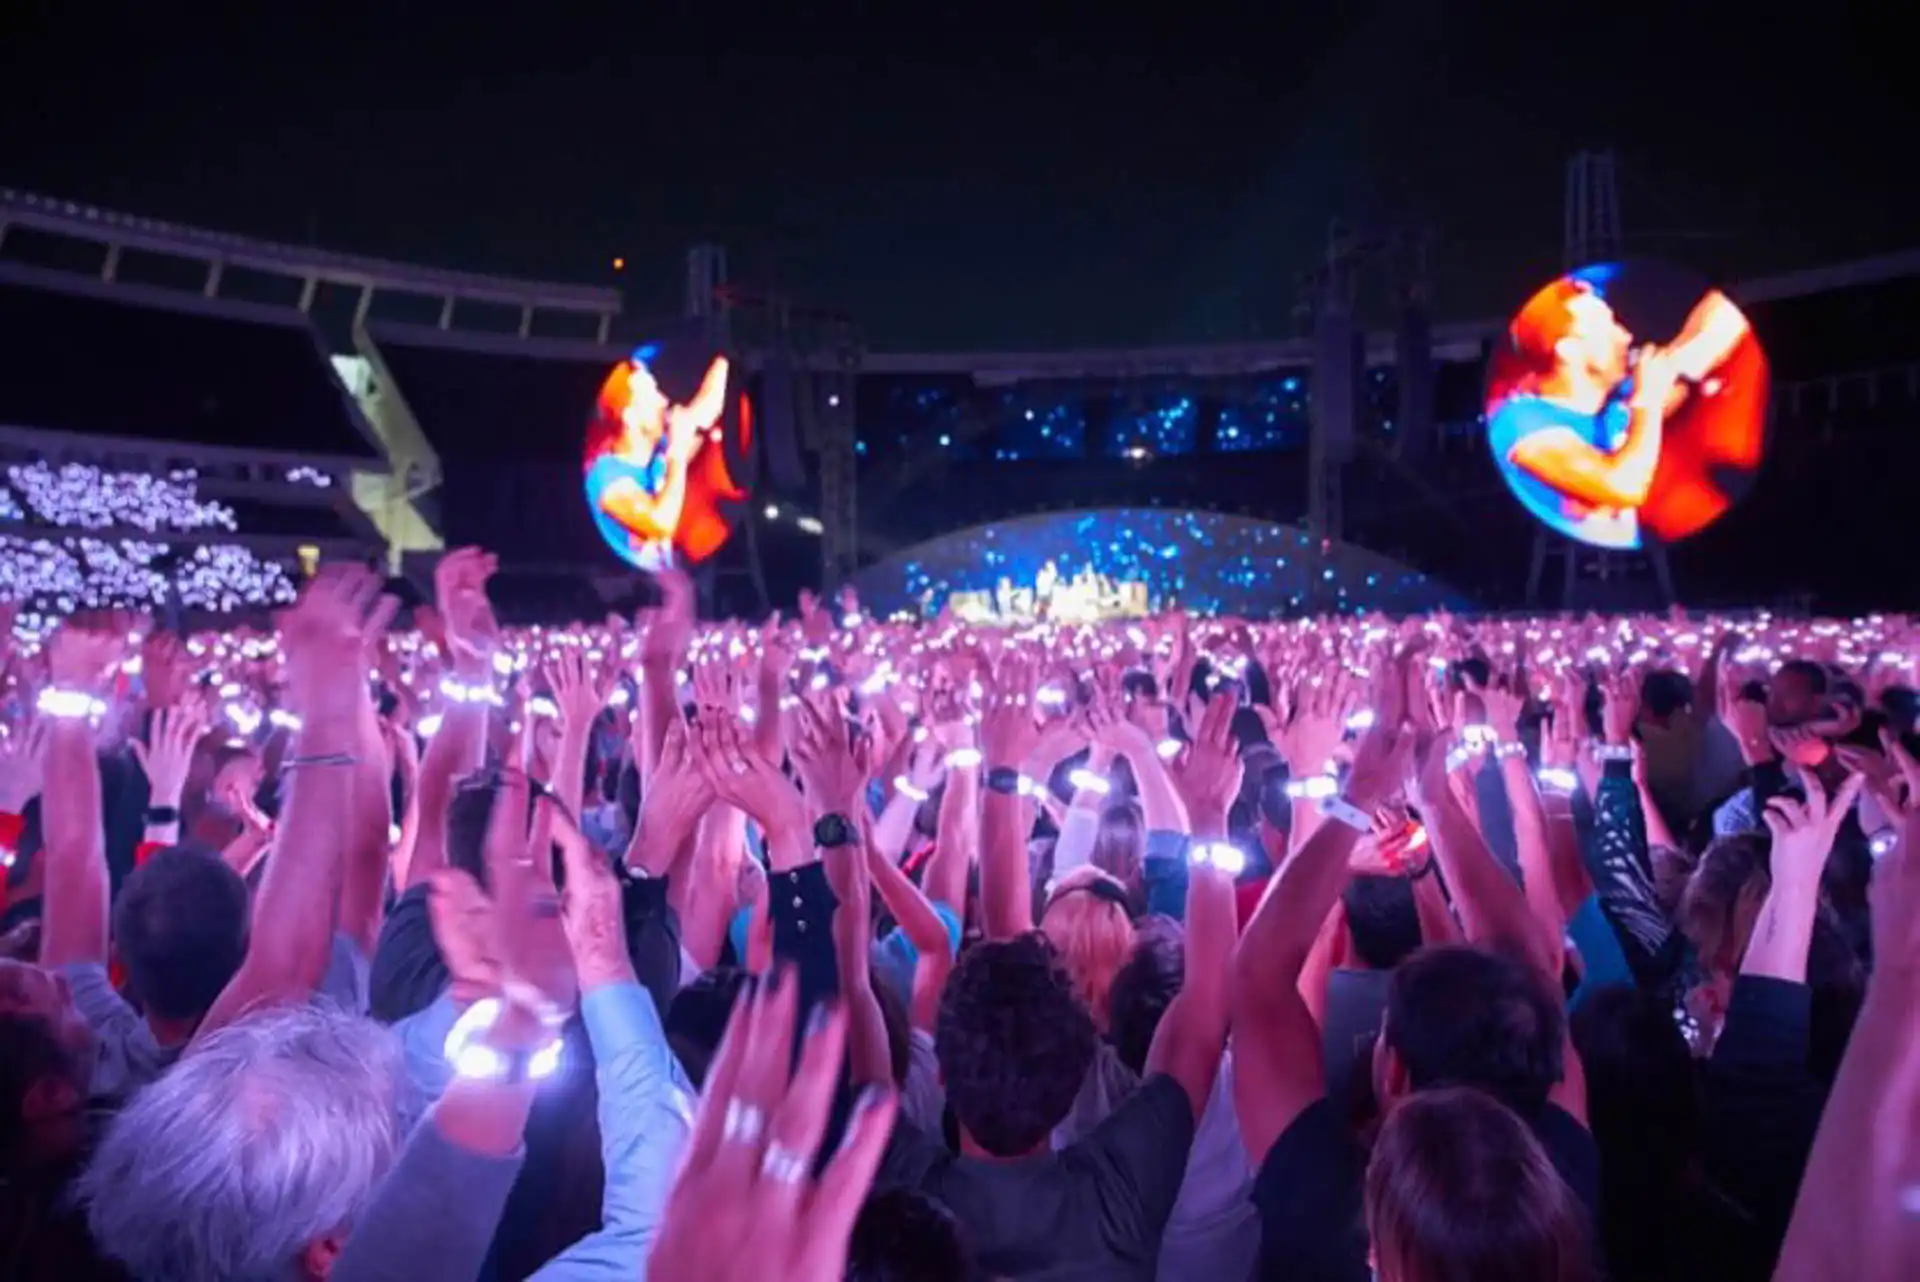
(967, 176)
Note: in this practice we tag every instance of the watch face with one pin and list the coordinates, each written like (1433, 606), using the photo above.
(832, 831)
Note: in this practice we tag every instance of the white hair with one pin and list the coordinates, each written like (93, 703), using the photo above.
(268, 1137)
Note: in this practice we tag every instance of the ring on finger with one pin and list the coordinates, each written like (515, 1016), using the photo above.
(743, 1123)
(784, 1165)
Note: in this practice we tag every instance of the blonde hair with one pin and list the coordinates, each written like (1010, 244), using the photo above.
(1092, 933)
(1120, 847)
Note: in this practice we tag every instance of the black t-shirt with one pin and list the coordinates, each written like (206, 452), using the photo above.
(408, 973)
(1309, 1192)
(1093, 1210)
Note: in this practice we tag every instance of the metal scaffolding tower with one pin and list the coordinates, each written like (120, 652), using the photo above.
(835, 437)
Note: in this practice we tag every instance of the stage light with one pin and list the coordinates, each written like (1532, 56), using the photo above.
(619, 264)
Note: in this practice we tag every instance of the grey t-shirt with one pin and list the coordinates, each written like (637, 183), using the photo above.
(128, 1055)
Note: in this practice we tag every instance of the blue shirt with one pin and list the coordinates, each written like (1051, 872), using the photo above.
(1523, 415)
(606, 470)
(646, 1115)
(645, 1118)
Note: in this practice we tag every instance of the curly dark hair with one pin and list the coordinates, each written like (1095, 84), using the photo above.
(905, 1236)
(1464, 1016)
(1014, 1043)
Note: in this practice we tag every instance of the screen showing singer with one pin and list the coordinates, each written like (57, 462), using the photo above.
(1627, 405)
(657, 471)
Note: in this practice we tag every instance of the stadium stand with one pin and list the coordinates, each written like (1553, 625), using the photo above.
(167, 452)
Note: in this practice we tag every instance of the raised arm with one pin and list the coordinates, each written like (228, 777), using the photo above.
(1193, 1033)
(323, 636)
(642, 1090)
(468, 633)
(1854, 1218)
(1531, 839)
(73, 928)
(1007, 737)
(1620, 478)
(666, 631)
(1277, 1054)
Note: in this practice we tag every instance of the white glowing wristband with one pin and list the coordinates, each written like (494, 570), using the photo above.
(908, 789)
(478, 692)
(964, 759)
(1557, 778)
(1224, 855)
(1168, 749)
(1508, 751)
(473, 1059)
(69, 705)
(1343, 811)
(1612, 752)
(1090, 782)
(1313, 788)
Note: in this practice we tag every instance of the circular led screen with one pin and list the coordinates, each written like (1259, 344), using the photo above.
(670, 433)
(1627, 404)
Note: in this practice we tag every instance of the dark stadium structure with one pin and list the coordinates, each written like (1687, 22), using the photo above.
(353, 407)
(178, 454)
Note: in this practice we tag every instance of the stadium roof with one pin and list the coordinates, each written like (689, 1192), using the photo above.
(80, 357)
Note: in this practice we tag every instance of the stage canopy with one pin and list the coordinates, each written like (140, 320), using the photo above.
(1118, 562)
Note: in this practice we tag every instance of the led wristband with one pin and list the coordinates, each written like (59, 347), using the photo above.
(472, 1058)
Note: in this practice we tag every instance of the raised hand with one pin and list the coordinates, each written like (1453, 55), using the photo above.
(1803, 831)
(745, 1206)
(678, 793)
(1381, 756)
(834, 760)
(1619, 707)
(591, 909)
(716, 688)
(1318, 724)
(463, 927)
(324, 633)
(579, 692)
(536, 962)
(1501, 703)
(744, 777)
(667, 628)
(167, 754)
(23, 755)
(1209, 772)
(464, 615)
(1008, 732)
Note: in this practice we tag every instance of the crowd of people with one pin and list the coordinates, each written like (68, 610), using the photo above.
(1426, 950)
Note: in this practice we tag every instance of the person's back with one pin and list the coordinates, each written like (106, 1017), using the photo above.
(1014, 1045)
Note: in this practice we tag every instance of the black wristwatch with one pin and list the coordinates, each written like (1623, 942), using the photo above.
(157, 815)
(1004, 780)
(830, 832)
